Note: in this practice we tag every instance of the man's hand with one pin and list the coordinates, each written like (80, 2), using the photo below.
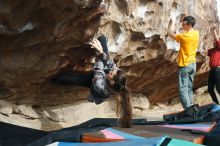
(97, 45)
(215, 32)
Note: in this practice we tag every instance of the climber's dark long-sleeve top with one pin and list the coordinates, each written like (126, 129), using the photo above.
(99, 88)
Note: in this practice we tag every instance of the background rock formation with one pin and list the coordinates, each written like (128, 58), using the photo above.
(138, 31)
(41, 38)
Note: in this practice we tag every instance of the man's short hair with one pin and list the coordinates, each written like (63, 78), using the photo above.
(190, 20)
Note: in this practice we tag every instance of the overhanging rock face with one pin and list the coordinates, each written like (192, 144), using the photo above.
(41, 38)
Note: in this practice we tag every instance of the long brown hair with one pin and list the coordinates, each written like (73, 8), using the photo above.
(124, 109)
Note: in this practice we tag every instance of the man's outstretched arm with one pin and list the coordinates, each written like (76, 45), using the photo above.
(215, 33)
(171, 29)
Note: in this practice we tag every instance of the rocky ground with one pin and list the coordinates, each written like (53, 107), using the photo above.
(52, 118)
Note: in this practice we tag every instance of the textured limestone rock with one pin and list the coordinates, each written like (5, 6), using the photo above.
(27, 111)
(38, 39)
(6, 108)
(139, 102)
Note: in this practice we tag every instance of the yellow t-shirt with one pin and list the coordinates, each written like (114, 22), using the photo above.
(189, 42)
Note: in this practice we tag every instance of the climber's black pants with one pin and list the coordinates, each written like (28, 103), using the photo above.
(70, 78)
(214, 82)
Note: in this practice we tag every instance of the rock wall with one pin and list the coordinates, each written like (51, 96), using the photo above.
(41, 38)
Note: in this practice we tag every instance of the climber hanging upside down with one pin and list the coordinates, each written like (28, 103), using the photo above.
(105, 81)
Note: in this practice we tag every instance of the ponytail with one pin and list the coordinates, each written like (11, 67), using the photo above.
(124, 109)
